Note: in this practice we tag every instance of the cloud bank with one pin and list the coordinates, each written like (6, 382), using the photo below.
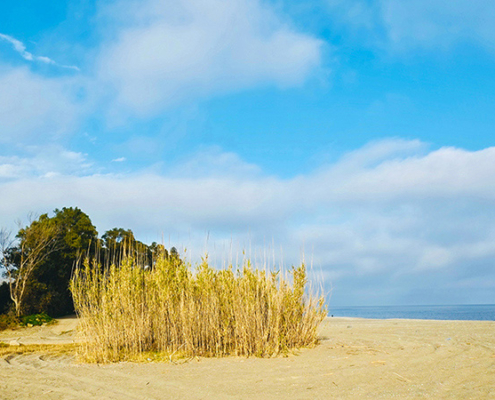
(388, 214)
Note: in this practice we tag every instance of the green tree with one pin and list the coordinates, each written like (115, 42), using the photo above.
(155, 251)
(118, 243)
(40, 262)
(5, 300)
(48, 288)
(77, 236)
(36, 242)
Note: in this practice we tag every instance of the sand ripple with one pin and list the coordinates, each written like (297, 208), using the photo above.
(357, 358)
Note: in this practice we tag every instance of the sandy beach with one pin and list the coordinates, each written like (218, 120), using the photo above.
(356, 359)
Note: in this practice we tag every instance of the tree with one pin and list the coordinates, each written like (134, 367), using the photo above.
(6, 243)
(155, 251)
(118, 243)
(49, 289)
(36, 242)
(40, 261)
(5, 300)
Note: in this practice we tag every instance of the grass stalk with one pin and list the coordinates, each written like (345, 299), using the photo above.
(127, 310)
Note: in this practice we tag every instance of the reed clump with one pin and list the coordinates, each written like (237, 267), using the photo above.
(127, 311)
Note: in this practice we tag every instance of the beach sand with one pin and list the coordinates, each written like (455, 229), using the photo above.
(356, 359)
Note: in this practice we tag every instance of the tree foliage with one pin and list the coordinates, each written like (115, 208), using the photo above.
(76, 235)
(37, 242)
(39, 262)
(38, 265)
(5, 300)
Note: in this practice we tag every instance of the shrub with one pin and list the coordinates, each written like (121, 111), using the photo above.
(36, 319)
(127, 310)
(8, 321)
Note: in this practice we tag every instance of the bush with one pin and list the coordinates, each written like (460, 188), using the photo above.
(8, 322)
(36, 319)
(127, 310)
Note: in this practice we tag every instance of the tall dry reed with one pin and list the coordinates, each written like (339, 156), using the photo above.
(127, 310)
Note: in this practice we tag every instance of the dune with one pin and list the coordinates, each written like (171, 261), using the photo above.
(356, 358)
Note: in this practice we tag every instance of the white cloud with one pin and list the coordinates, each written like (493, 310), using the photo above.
(21, 49)
(41, 161)
(34, 108)
(213, 162)
(152, 55)
(163, 52)
(445, 174)
(393, 213)
(18, 46)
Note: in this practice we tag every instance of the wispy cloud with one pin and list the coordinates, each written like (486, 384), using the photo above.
(119, 160)
(35, 109)
(20, 48)
(439, 24)
(403, 25)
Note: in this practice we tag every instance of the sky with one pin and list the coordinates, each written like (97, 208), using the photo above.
(355, 135)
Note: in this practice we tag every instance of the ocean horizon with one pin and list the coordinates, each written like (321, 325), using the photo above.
(461, 312)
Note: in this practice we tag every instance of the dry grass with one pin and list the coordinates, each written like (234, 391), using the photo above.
(127, 311)
(45, 349)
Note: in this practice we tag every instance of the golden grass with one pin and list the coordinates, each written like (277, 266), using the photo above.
(127, 311)
(45, 349)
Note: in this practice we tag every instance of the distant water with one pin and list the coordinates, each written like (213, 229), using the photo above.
(482, 312)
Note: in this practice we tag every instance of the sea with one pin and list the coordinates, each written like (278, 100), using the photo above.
(472, 312)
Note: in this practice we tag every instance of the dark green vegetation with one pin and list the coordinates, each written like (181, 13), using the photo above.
(36, 319)
(10, 321)
(38, 263)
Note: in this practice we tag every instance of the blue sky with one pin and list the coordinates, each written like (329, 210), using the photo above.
(357, 132)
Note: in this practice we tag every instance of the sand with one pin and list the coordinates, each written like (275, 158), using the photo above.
(357, 359)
